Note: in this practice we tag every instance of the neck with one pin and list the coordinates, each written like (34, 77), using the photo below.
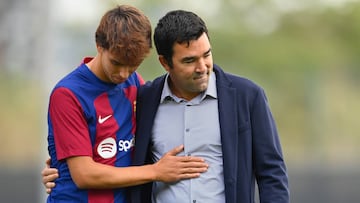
(188, 96)
(95, 66)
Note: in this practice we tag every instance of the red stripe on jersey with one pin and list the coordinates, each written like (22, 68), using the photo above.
(106, 127)
(130, 94)
(101, 196)
(105, 143)
(140, 78)
(70, 129)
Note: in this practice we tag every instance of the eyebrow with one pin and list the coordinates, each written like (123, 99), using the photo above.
(207, 51)
(193, 57)
(115, 61)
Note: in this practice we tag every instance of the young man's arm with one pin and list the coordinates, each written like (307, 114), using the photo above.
(87, 173)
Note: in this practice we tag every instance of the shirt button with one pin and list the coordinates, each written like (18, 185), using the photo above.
(187, 130)
(194, 201)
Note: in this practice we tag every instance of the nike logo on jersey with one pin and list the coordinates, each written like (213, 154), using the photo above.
(102, 120)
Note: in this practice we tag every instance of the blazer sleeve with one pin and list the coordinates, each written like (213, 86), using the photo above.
(269, 166)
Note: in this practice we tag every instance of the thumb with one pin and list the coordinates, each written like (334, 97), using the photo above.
(176, 150)
(48, 161)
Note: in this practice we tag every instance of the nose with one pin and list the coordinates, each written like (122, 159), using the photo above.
(125, 72)
(201, 66)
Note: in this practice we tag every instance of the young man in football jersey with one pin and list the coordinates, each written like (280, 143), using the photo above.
(91, 119)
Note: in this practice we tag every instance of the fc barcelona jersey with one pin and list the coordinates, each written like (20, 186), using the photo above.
(89, 117)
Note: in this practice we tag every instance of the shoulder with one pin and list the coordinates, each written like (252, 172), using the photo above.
(151, 90)
(240, 83)
(74, 78)
(156, 83)
(135, 79)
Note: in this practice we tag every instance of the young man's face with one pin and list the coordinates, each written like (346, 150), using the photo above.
(191, 69)
(115, 70)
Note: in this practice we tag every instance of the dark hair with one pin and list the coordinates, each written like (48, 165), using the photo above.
(177, 26)
(126, 32)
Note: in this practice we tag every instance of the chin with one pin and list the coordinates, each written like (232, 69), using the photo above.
(202, 88)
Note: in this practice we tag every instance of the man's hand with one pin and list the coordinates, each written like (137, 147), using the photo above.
(48, 176)
(172, 168)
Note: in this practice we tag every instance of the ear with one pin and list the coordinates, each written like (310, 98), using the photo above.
(164, 63)
(99, 49)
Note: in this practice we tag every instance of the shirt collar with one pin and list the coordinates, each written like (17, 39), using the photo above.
(210, 91)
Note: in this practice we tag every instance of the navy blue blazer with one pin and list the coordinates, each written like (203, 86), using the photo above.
(250, 143)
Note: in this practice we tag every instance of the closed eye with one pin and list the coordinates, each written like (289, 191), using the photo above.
(115, 63)
(188, 60)
(208, 53)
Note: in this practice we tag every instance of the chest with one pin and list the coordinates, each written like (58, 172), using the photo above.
(195, 126)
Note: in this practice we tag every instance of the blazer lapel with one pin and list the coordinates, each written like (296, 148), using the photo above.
(229, 139)
(147, 105)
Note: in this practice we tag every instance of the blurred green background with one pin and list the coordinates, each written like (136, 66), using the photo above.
(305, 54)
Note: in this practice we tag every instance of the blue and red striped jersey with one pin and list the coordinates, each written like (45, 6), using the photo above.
(89, 117)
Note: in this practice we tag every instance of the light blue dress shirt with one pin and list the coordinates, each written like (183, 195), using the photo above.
(195, 124)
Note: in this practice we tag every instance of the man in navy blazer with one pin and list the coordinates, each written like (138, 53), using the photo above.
(249, 143)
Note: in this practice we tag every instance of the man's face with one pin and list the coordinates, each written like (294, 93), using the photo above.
(192, 65)
(115, 70)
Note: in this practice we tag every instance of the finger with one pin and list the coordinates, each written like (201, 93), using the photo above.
(176, 150)
(49, 178)
(50, 185)
(189, 175)
(191, 159)
(48, 171)
(194, 170)
(48, 161)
